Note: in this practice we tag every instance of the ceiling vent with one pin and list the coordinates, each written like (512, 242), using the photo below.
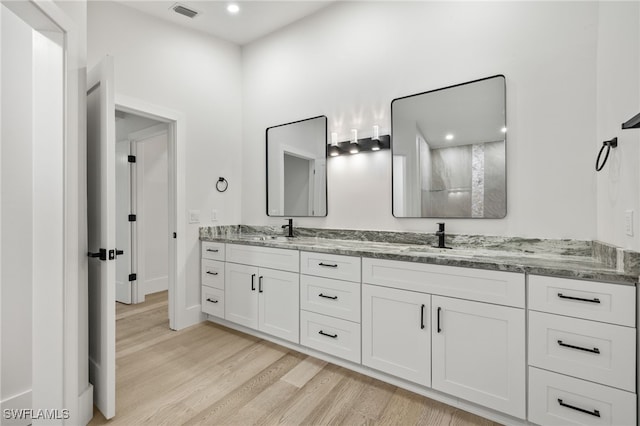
(184, 10)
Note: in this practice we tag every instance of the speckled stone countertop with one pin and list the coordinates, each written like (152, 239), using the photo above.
(560, 258)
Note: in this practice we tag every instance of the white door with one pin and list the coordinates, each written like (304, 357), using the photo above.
(241, 294)
(123, 226)
(396, 332)
(279, 304)
(478, 353)
(101, 206)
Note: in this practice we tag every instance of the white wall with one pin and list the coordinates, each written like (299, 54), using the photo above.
(618, 99)
(192, 73)
(351, 59)
(17, 206)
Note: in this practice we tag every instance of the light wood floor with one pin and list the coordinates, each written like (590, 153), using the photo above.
(211, 375)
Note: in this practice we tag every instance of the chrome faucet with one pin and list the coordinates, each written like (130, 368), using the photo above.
(441, 236)
(290, 226)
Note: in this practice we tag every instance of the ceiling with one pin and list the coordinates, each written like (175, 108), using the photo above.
(256, 18)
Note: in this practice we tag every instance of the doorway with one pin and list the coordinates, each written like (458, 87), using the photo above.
(142, 207)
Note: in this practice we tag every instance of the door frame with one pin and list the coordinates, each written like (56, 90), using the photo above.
(180, 315)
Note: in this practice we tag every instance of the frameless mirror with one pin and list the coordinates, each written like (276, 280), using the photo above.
(449, 151)
(296, 168)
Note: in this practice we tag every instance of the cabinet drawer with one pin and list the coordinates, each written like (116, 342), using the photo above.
(265, 257)
(330, 266)
(340, 299)
(504, 288)
(596, 301)
(331, 335)
(213, 301)
(555, 399)
(589, 350)
(211, 250)
(213, 273)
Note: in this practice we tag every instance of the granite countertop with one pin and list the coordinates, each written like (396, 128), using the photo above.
(559, 258)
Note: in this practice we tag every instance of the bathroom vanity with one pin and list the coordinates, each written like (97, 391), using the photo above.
(522, 334)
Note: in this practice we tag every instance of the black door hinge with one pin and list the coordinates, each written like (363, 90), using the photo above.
(131, 158)
(132, 218)
(133, 277)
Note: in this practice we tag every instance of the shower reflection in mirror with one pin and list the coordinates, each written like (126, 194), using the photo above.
(449, 150)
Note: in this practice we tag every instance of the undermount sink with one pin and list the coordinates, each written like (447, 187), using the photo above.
(436, 250)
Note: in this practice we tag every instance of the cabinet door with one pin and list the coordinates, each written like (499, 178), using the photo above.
(396, 336)
(478, 353)
(279, 304)
(241, 294)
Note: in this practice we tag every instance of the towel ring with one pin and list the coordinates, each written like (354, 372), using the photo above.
(222, 184)
(613, 143)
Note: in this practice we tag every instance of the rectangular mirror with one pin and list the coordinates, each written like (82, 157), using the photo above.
(449, 151)
(297, 168)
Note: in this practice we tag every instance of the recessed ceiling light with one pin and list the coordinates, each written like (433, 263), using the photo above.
(233, 8)
(449, 136)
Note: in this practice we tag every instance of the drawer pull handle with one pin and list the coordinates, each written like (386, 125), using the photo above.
(212, 273)
(439, 329)
(212, 301)
(594, 350)
(422, 317)
(213, 250)
(594, 300)
(329, 265)
(333, 336)
(594, 413)
(328, 297)
(260, 284)
(253, 285)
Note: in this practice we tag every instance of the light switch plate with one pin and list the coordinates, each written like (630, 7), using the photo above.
(194, 216)
(214, 215)
(628, 222)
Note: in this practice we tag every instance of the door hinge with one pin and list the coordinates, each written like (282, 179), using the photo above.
(131, 158)
(132, 218)
(133, 277)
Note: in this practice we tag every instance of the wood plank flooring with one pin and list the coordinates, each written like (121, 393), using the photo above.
(211, 375)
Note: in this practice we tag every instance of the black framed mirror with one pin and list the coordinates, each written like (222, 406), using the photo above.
(297, 168)
(449, 151)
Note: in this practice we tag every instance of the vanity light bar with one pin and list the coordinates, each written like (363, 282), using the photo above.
(364, 145)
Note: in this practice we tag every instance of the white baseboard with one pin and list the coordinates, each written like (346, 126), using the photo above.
(155, 285)
(21, 401)
(190, 316)
(85, 404)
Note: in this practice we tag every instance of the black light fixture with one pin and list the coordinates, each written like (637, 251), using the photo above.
(354, 146)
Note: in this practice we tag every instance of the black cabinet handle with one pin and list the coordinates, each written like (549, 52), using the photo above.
(329, 265)
(439, 329)
(333, 336)
(328, 297)
(422, 317)
(212, 273)
(212, 301)
(213, 250)
(594, 413)
(260, 284)
(594, 300)
(594, 350)
(253, 286)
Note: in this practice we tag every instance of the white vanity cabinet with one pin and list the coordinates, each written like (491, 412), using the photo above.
(212, 278)
(582, 352)
(262, 298)
(479, 353)
(396, 332)
(477, 349)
